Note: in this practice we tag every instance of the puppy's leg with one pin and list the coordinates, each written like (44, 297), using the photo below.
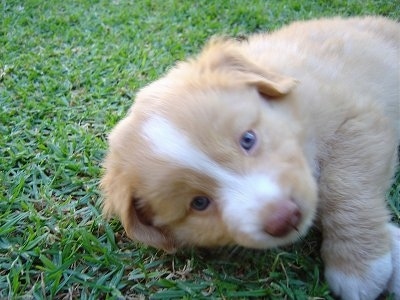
(394, 283)
(357, 240)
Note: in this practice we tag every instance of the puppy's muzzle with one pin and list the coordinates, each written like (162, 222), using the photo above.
(281, 217)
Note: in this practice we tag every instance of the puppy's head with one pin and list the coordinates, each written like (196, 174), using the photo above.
(208, 157)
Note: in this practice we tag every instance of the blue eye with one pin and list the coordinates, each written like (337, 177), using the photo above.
(200, 203)
(248, 140)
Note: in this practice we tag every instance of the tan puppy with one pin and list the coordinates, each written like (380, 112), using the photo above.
(252, 140)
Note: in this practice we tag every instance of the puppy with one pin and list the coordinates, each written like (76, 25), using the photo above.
(252, 141)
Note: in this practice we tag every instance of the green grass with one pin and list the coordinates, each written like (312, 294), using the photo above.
(69, 71)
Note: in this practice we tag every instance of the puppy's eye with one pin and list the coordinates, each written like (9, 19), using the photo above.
(248, 140)
(200, 203)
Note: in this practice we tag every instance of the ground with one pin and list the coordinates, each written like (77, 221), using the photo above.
(69, 70)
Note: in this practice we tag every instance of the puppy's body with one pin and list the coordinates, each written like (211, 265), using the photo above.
(246, 143)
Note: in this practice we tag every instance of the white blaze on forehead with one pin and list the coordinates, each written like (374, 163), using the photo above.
(241, 196)
(169, 142)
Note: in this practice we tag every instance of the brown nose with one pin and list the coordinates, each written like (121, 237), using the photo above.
(283, 217)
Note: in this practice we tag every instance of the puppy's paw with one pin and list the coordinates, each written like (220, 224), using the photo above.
(368, 286)
(394, 283)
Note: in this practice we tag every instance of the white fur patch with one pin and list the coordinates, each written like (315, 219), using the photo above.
(367, 287)
(394, 283)
(241, 195)
(243, 198)
(168, 141)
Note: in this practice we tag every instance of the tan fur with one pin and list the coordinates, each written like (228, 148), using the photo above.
(324, 98)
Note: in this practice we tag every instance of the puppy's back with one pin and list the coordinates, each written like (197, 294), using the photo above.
(359, 57)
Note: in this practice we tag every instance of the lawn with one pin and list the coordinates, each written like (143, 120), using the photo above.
(69, 70)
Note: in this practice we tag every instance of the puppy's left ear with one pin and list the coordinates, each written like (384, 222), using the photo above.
(226, 55)
(120, 201)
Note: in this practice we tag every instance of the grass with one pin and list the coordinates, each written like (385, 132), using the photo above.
(68, 72)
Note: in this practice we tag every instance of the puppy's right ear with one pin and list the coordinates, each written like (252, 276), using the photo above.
(226, 55)
(119, 201)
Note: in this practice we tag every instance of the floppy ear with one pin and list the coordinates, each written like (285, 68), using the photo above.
(225, 55)
(120, 201)
(269, 84)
